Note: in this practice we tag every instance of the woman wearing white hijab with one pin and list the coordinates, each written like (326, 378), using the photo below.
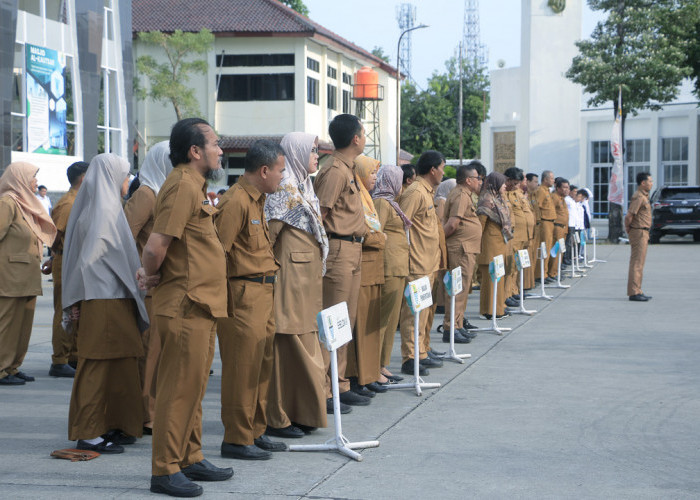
(296, 400)
(25, 227)
(100, 291)
(139, 212)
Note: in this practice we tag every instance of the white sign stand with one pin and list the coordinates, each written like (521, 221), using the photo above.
(594, 234)
(562, 249)
(574, 257)
(541, 253)
(577, 258)
(584, 246)
(522, 260)
(453, 286)
(418, 296)
(334, 330)
(496, 271)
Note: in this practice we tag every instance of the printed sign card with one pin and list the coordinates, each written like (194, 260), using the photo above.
(562, 245)
(522, 259)
(418, 294)
(453, 281)
(334, 326)
(497, 268)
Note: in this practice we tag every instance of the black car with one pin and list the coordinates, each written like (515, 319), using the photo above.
(675, 210)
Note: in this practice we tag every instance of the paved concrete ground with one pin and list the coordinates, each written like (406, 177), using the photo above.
(593, 397)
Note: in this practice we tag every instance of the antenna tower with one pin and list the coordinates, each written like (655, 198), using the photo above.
(475, 51)
(406, 16)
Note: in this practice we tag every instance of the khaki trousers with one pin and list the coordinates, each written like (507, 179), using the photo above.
(529, 272)
(639, 241)
(365, 348)
(390, 309)
(486, 294)
(16, 318)
(512, 284)
(187, 350)
(341, 283)
(424, 326)
(245, 347)
(467, 261)
(545, 234)
(148, 365)
(559, 232)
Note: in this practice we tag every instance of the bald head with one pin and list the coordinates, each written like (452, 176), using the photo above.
(547, 178)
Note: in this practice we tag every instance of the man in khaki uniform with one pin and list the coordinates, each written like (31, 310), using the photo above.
(547, 214)
(530, 187)
(344, 221)
(561, 221)
(246, 338)
(184, 257)
(463, 239)
(416, 202)
(523, 229)
(637, 225)
(64, 344)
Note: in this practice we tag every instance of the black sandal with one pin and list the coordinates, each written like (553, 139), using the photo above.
(101, 447)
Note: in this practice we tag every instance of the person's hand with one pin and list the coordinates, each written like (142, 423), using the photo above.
(146, 282)
(74, 313)
(47, 266)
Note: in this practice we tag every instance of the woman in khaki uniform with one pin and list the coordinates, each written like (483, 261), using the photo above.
(139, 211)
(365, 348)
(395, 225)
(100, 261)
(25, 227)
(296, 402)
(494, 216)
(440, 200)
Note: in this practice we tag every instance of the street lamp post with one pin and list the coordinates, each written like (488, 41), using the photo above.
(398, 89)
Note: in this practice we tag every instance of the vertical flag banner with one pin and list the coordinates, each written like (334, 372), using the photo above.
(617, 186)
(46, 104)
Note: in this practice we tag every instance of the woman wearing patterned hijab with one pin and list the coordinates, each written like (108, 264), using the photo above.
(25, 227)
(494, 215)
(363, 367)
(100, 291)
(296, 398)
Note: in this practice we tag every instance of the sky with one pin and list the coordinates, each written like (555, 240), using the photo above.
(370, 23)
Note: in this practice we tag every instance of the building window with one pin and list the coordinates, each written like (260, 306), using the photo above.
(332, 92)
(674, 160)
(311, 90)
(346, 101)
(601, 164)
(313, 64)
(108, 114)
(19, 116)
(331, 72)
(637, 159)
(271, 87)
(229, 60)
(347, 78)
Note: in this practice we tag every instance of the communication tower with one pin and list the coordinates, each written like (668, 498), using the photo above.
(406, 16)
(475, 51)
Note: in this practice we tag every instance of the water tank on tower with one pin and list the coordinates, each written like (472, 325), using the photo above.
(367, 92)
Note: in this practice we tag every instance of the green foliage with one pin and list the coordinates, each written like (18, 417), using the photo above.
(685, 28)
(450, 172)
(379, 52)
(297, 5)
(168, 82)
(639, 48)
(429, 118)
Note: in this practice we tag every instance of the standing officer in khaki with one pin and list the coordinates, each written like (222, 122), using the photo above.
(184, 257)
(530, 189)
(463, 234)
(424, 254)
(344, 221)
(246, 338)
(64, 344)
(547, 213)
(561, 221)
(637, 225)
(523, 227)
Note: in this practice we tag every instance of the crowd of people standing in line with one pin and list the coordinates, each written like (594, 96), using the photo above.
(143, 290)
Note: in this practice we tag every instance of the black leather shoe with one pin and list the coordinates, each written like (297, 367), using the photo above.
(147, 431)
(306, 429)
(516, 297)
(436, 354)
(467, 325)
(29, 378)
(647, 296)
(504, 315)
(511, 302)
(175, 485)
(62, 371)
(353, 399)
(73, 364)
(359, 389)
(549, 281)
(439, 309)
(206, 471)
(430, 362)
(394, 378)
(118, 437)
(265, 443)
(376, 387)
(244, 452)
(639, 298)
(290, 432)
(407, 368)
(11, 380)
(344, 409)
(103, 447)
(459, 338)
(467, 334)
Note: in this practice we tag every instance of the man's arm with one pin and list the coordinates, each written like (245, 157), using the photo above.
(151, 260)
(324, 213)
(450, 226)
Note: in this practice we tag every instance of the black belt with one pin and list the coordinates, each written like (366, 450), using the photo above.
(559, 225)
(258, 279)
(642, 228)
(353, 239)
(547, 220)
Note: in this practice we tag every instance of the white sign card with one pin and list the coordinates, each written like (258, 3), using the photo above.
(576, 237)
(522, 259)
(334, 326)
(593, 232)
(497, 268)
(419, 294)
(542, 251)
(562, 245)
(453, 281)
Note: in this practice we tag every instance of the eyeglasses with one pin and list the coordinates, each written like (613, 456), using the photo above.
(473, 177)
(314, 150)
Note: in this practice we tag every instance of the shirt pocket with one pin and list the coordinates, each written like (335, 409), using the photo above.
(205, 221)
(300, 257)
(256, 236)
(20, 258)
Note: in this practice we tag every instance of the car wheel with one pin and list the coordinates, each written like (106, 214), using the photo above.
(655, 236)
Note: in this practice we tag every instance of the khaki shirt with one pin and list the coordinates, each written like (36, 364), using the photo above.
(396, 250)
(535, 208)
(139, 211)
(20, 262)
(641, 209)
(195, 264)
(518, 206)
(468, 233)
(544, 203)
(337, 190)
(60, 214)
(561, 209)
(244, 233)
(424, 252)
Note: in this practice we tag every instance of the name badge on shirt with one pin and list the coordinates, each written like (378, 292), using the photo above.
(255, 221)
(205, 202)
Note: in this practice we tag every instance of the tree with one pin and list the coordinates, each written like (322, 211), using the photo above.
(685, 29)
(379, 52)
(167, 82)
(634, 50)
(297, 5)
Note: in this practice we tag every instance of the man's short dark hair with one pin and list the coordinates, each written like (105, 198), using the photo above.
(76, 170)
(583, 192)
(343, 128)
(560, 181)
(641, 177)
(262, 152)
(480, 168)
(185, 134)
(42, 187)
(463, 172)
(221, 191)
(572, 187)
(428, 160)
(409, 170)
(531, 176)
(514, 173)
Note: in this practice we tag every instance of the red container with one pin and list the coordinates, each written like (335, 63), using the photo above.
(366, 84)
